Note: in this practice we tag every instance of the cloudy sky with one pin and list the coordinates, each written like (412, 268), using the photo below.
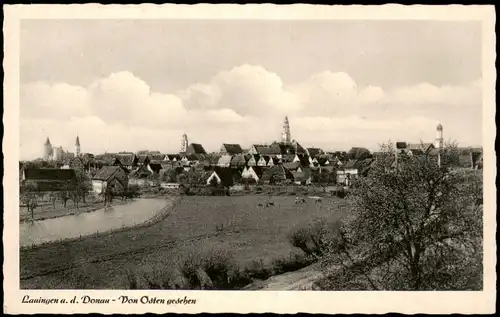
(139, 84)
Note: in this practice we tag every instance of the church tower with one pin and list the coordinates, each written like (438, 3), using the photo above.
(286, 137)
(439, 136)
(184, 143)
(47, 150)
(77, 146)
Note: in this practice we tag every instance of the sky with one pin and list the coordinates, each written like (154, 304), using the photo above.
(129, 85)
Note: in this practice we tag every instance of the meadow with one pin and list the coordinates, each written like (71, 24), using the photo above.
(235, 224)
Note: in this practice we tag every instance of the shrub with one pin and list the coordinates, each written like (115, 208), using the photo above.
(293, 262)
(220, 267)
(214, 269)
(258, 270)
(314, 238)
(341, 193)
(189, 270)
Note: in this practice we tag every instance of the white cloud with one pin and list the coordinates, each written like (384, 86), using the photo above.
(247, 89)
(124, 98)
(245, 104)
(62, 101)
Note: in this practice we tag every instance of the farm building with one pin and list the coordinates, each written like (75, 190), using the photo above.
(113, 177)
(50, 179)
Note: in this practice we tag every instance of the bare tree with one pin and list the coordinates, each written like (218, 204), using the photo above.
(29, 197)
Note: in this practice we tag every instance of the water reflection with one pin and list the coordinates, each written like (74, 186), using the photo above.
(102, 220)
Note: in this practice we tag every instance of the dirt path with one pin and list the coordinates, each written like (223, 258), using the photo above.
(302, 279)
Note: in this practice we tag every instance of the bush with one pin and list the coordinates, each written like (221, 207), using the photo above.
(212, 270)
(341, 193)
(293, 262)
(314, 238)
(258, 270)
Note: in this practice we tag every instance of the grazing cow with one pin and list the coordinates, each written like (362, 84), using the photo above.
(318, 200)
(300, 200)
(269, 204)
(260, 205)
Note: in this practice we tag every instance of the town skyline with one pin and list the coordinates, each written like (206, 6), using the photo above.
(136, 98)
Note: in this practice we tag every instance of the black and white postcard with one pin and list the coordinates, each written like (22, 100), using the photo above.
(249, 158)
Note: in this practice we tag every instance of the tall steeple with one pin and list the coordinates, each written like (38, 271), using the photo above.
(47, 150)
(439, 136)
(184, 143)
(286, 136)
(77, 146)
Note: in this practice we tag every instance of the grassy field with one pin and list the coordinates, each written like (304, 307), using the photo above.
(249, 232)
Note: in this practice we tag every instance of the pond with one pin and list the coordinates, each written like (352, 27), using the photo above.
(102, 220)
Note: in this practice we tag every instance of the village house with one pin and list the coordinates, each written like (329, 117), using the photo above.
(303, 177)
(112, 177)
(107, 159)
(419, 148)
(353, 169)
(253, 159)
(276, 174)
(127, 160)
(230, 149)
(270, 150)
(157, 157)
(323, 160)
(314, 152)
(172, 157)
(253, 172)
(143, 159)
(293, 166)
(287, 158)
(221, 176)
(263, 160)
(224, 161)
(196, 149)
(238, 160)
(50, 179)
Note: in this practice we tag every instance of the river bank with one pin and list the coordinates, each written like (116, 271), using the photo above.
(25, 216)
(65, 230)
